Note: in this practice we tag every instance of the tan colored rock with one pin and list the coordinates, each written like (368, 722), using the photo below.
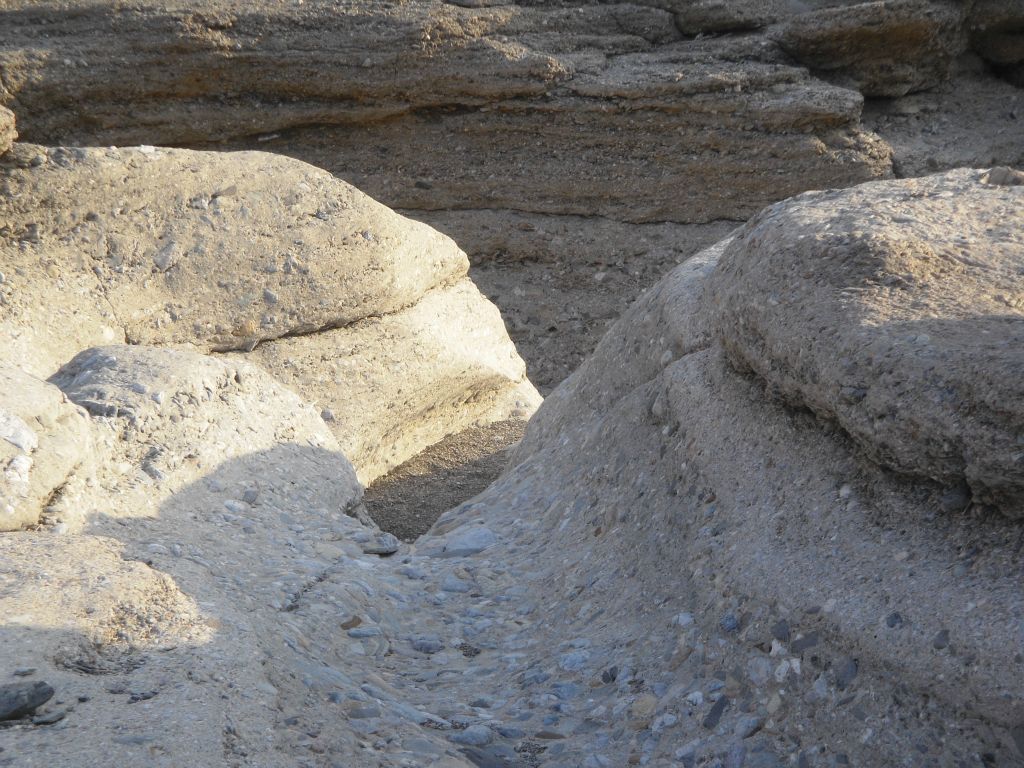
(217, 250)
(897, 310)
(7, 132)
(884, 49)
(43, 440)
(401, 382)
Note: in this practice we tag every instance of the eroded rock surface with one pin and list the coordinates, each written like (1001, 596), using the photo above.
(216, 250)
(883, 49)
(679, 568)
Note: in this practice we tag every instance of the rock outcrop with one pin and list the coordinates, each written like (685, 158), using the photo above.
(43, 440)
(251, 251)
(679, 566)
(597, 109)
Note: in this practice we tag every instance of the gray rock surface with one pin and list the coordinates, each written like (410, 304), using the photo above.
(43, 440)
(896, 310)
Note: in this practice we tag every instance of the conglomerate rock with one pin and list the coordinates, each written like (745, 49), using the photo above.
(897, 309)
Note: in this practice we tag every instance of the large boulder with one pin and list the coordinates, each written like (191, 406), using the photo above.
(216, 250)
(43, 440)
(883, 49)
(696, 521)
(233, 251)
(897, 310)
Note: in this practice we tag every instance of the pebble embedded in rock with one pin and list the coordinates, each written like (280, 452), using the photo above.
(846, 671)
(20, 699)
(941, 640)
(474, 736)
(780, 631)
(381, 544)
(468, 540)
(427, 644)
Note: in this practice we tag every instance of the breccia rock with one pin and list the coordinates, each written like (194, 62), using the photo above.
(896, 309)
(43, 439)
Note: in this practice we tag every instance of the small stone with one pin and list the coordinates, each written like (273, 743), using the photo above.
(360, 632)
(363, 711)
(894, 620)
(729, 623)
(941, 640)
(20, 699)
(269, 296)
(474, 736)
(381, 544)
(711, 719)
(427, 644)
(452, 583)
(469, 540)
(846, 671)
(24, 671)
(780, 631)
(50, 717)
(574, 660)
(801, 644)
(327, 414)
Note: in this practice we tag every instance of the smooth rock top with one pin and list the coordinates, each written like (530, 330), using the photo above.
(897, 309)
(7, 132)
(212, 249)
